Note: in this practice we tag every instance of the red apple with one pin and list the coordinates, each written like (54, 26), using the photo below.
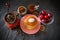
(49, 14)
(47, 17)
(44, 20)
(41, 16)
(48, 20)
(43, 12)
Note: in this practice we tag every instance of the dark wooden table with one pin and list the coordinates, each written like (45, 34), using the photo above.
(52, 31)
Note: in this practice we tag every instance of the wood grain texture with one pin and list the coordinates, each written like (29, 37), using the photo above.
(51, 32)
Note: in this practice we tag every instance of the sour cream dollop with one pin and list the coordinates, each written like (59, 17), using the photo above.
(31, 20)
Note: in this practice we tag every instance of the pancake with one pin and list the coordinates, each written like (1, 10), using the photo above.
(30, 22)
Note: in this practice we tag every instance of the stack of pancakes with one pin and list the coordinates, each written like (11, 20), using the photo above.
(30, 22)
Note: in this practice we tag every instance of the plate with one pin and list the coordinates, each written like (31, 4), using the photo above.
(25, 30)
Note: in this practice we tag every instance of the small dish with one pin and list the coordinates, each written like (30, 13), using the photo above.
(22, 10)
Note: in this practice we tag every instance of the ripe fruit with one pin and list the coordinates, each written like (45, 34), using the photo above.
(46, 16)
(49, 14)
(44, 20)
(7, 4)
(48, 20)
(41, 16)
(43, 12)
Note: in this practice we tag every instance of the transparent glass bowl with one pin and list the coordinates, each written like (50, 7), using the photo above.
(51, 19)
